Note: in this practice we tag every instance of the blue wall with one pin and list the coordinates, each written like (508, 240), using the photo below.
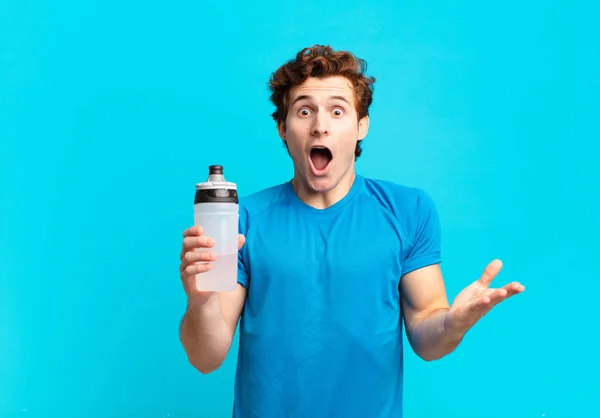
(111, 111)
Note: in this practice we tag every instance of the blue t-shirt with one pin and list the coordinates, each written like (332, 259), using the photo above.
(320, 335)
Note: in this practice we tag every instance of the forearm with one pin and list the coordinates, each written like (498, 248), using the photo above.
(205, 335)
(430, 337)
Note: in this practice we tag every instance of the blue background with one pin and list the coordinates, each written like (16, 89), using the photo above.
(111, 111)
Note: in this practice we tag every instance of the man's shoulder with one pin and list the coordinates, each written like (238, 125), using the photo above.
(258, 201)
(391, 187)
(399, 199)
(412, 209)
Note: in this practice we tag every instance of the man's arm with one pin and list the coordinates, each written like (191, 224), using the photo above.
(424, 307)
(207, 329)
(434, 329)
(208, 325)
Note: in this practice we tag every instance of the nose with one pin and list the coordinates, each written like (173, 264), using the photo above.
(320, 126)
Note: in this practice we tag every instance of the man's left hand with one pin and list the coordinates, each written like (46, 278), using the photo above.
(478, 299)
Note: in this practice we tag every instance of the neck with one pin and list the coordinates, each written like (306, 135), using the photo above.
(323, 199)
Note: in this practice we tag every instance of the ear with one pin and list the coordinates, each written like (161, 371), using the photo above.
(363, 128)
(281, 129)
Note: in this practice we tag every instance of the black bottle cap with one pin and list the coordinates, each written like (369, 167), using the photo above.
(215, 189)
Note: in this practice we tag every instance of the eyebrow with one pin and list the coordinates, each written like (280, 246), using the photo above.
(305, 97)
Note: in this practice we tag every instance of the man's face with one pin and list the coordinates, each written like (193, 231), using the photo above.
(321, 131)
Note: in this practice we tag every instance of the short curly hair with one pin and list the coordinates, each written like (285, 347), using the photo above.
(322, 61)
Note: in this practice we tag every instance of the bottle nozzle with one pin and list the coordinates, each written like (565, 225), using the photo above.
(215, 169)
(215, 173)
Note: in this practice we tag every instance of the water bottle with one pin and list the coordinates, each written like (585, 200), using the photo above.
(216, 211)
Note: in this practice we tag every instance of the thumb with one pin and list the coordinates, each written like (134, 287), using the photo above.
(241, 241)
(490, 272)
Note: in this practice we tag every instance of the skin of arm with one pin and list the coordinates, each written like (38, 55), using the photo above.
(424, 307)
(207, 329)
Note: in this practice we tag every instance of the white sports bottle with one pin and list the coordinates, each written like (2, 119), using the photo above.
(216, 211)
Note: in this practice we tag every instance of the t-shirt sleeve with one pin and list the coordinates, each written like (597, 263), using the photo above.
(243, 276)
(426, 244)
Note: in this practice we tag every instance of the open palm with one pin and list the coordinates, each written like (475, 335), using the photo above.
(477, 299)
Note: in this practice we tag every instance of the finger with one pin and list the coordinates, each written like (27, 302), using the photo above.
(197, 256)
(495, 296)
(476, 305)
(472, 312)
(241, 241)
(193, 242)
(189, 232)
(503, 293)
(484, 301)
(193, 269)
(198, 242)
(514, 288)
(192, 231)
(490, 272)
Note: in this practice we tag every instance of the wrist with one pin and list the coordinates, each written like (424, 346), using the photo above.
(454, 332)
(200, 308)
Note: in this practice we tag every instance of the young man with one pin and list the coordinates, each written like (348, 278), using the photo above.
(330, 264)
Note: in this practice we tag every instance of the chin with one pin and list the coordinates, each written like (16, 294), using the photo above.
(321, 184)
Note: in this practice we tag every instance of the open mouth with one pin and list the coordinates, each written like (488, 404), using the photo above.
(320, 157)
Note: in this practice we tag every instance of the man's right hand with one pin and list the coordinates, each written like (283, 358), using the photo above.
(196, 262)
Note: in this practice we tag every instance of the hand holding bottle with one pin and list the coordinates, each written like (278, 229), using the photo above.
(195, 262)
